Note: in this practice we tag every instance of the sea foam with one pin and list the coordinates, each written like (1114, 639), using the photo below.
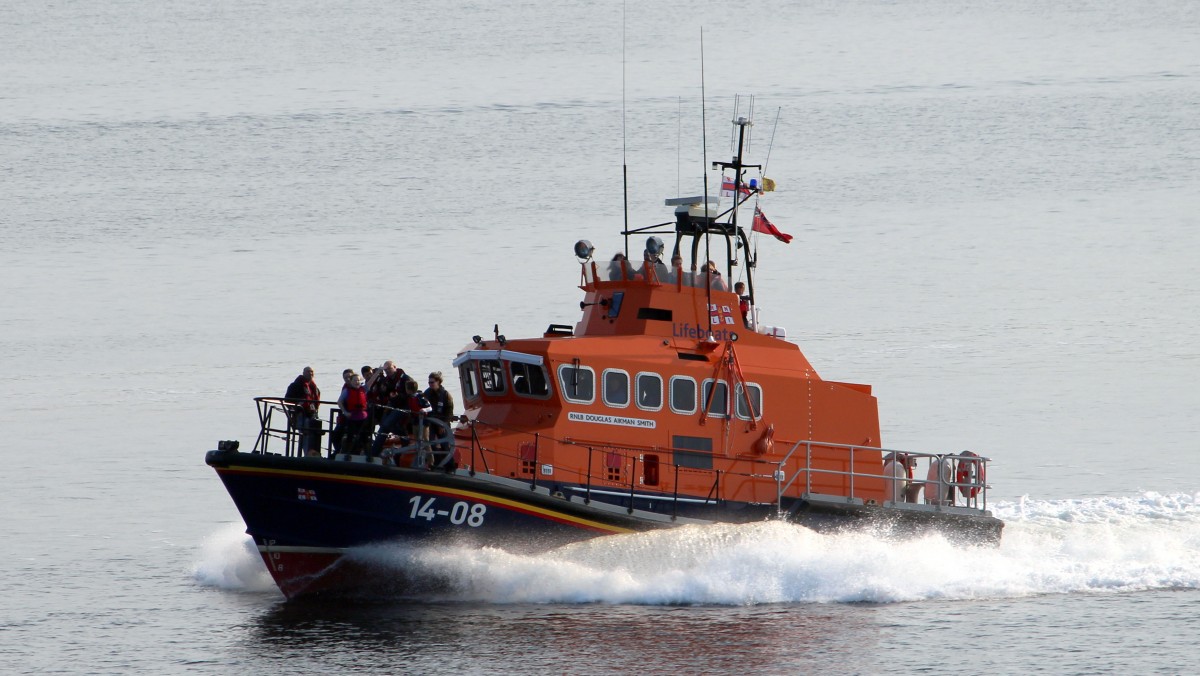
(229, 560)
(1117, 544)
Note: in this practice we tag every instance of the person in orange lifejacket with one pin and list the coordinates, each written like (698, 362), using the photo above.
(416, 405)
(305, 396)
(395, 399)
(353, 406)
(398, 388)
(339, 429)
(743, 302)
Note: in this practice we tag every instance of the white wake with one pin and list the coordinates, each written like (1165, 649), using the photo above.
(1117, 544)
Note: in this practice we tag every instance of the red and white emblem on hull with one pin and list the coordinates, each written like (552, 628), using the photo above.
(306, 494)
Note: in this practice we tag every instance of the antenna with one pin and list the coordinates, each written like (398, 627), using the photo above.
(624, 163)
(679, 147)
(750, 116)
(704, 142)
(771, 144)
(737, 102)
(763, 173)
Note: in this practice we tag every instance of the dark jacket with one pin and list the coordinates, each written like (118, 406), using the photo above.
(442, 402)
(306, 393)
(397, 392)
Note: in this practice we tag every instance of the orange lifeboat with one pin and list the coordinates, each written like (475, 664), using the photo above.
(668, 402)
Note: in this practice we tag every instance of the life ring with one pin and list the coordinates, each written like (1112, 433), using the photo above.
(972, 474)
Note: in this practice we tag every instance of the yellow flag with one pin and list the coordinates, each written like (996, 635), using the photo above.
(768, 184)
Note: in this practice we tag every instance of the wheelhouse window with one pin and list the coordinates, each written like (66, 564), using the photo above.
(469, 380)
(740, 407)
(683, 394)
(718, 403)
(529, 380)
(616, 388)
(578, 383)
(614, 304)
(648, 391)
(491, 373)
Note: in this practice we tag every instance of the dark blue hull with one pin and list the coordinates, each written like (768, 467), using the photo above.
(318, 503)
(303, 513)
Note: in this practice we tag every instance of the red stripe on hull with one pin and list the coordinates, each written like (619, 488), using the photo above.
(300, 573)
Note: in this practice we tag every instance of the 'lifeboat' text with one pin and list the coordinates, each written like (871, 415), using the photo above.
(686, 330)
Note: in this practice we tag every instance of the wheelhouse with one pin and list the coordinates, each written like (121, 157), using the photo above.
(494, 374)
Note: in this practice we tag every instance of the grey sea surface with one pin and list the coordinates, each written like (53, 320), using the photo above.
(995, 210)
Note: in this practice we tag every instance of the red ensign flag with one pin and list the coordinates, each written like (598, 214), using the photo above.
(761, 224)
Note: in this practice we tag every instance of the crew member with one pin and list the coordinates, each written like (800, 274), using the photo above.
(305, 397)
(442, 408)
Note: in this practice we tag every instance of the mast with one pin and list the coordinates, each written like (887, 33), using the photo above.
(704, 153)
(743, 125)
(624, 140)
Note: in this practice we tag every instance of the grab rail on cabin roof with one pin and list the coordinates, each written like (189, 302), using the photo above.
(949, 463)
(624, 270)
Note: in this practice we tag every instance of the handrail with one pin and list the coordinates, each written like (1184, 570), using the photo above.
(945, 461)
(777, 472)
(627, 452)
(534, 474)
(421, 446)
(786, 487)
(475, 442)
(267, 407)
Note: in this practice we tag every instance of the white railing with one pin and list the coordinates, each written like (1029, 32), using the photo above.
(950, 479)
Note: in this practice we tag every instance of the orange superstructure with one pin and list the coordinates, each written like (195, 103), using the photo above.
(665, 373)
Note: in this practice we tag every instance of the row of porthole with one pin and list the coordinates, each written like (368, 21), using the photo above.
(578, 386)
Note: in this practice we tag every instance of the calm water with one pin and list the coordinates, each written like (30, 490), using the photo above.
(995, 209)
